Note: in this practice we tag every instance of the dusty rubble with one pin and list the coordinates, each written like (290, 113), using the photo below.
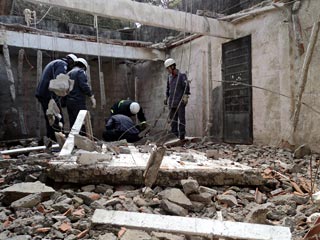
(34, 208)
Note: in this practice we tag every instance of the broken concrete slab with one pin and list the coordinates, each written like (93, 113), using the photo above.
(89, 158)
(84, 143)
(190, 226)
(27, 202)
(128, 169)
(21, 190)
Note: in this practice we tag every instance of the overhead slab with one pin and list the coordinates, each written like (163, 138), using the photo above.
(148, 15)
(129, 168)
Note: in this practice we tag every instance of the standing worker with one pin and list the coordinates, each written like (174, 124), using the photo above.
(76, 99)
(177, 94)
(43, 94)
(130, 108)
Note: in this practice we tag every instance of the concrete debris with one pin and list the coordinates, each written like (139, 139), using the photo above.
(27, 202)
(302, 151)
(20, 190)
(277, 202)
(53, 112)
(84, 143)
(190, 186)
(62, 85)
(89, 158)
(61, 138)
(190, 226)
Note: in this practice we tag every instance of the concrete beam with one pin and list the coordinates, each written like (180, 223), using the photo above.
(190, 226)
(148, 15)
(59, 44)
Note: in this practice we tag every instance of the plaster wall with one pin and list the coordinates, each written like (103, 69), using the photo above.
(275, 75)
(308, 130)
(150, 85)
(191, 58)
(276, 66)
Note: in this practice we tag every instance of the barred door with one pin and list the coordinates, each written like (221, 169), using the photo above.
(237, 91)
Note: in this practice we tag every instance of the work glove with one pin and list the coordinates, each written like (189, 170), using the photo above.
(93, 101)
(143, 126)
(165, 101)
(185, 98)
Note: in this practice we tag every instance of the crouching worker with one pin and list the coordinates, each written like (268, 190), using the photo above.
(120, 127)
(131, 109)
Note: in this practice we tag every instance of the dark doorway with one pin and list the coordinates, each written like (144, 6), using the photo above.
(237, 91)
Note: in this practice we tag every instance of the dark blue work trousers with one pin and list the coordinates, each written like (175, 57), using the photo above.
(178, 120)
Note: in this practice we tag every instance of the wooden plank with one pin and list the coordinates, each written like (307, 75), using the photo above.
(190, 226)
(69, 144)
(59, 44)
(148, 15)
(88, 125)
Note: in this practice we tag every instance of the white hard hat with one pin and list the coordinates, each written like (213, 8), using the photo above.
(83, 61)
(72, 56)
(134, 107)
(169, 62)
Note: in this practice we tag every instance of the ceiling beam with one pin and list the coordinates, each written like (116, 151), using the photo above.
(59, 44)
(148, 15)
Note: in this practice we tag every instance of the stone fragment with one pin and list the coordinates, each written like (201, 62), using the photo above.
(29, 201)
(190, 186)
(285, 199)
(173, 208)
(107, 236)
(258, 214)
(88, 188)
(227, 199)
(136, 235)
(201, 197)
(20, 190)
(88, 197)
(302, 151)
(211, 191)
(167, 236)
(176, 196)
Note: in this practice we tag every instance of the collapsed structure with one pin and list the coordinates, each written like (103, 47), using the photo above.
(252, 73)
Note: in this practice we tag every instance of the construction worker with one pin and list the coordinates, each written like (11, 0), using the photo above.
(43, 94)
(130, 108)
(119, 127)
(76, 99)
(177, 95)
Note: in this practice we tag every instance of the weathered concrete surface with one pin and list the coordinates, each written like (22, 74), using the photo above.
(20, 190)
(129, 168)
(148, 15)
(190, 226)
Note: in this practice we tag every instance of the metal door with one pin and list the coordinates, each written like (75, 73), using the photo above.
(237, 91)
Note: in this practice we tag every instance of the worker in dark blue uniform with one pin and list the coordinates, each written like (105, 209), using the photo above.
(50, 72)
(76, 99)
(177, 94)
(130, 108)
(119, 127)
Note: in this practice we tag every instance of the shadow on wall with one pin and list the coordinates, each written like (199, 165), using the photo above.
(10, 127)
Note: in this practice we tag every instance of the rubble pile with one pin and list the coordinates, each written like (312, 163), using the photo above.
(33, 208)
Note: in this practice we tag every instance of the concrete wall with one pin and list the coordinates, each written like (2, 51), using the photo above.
(275, 68)
(22, 118)
(308, 129)
(150, 91)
